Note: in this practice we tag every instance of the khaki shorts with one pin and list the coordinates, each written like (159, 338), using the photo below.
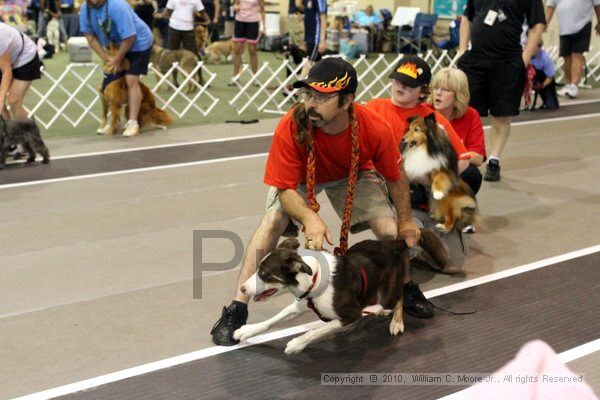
(371, 199)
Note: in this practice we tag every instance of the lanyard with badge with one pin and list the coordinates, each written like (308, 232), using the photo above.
(105, 25)
(493, 15)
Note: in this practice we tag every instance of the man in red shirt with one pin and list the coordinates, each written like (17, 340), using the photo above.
(410, 87)
(314, 143)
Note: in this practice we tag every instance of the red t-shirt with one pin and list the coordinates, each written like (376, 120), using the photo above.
(286, 165)
(470, 130)
(398, 117)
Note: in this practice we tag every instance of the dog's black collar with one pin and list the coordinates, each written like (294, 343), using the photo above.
(312, 285)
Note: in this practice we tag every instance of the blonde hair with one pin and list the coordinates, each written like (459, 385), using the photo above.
(456, 81)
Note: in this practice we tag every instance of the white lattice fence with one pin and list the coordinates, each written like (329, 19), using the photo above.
(65, 97)
(189, 89)
(73, 94)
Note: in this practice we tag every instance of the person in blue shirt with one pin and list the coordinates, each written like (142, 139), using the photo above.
(113, 21)
(543, 81)
(368, 17)
(315, 27)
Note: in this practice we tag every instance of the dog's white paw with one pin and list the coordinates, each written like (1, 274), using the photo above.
(438, 194)
(440, 227)
(247, 331)
(381, 312)
(396, 327)
(103, 130)
(295, 346)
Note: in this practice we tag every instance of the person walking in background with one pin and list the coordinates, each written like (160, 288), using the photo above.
(295, 21)
(315, 27)
(496, 62)
(575, 30)
(249, 27)
(50, 9)
(212, 8)
(181, 15)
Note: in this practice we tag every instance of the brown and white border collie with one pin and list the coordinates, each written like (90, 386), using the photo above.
(336, 288)
(428, 153)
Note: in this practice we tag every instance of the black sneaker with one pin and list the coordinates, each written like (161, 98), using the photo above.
(415, 302)
(232, 318)
(492, 171)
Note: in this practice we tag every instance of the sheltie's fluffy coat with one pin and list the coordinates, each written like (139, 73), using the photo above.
(428, 153)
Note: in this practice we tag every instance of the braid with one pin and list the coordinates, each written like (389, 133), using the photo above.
(352, 179)
(305, 137)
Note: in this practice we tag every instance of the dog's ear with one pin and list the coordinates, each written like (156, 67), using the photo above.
(431, 122)
(295, 266)
(290, 243)
(411, 119)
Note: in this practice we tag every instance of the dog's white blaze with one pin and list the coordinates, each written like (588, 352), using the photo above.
(419, 164)
(322, 293)
(255, 285)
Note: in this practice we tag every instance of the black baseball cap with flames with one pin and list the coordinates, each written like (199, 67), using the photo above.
(330, 75)
(412, 71)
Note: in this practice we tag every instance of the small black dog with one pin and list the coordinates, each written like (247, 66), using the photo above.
(24, 132)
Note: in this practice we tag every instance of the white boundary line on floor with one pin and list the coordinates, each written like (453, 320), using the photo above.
(131, 171)
(564, 357)
(215, 160)
(215, 350)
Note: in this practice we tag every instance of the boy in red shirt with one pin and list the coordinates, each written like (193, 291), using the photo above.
(313, 143)
(410, 87)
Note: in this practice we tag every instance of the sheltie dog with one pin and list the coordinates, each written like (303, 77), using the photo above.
(428, 153)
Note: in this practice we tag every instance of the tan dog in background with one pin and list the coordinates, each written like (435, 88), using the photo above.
(114, 97)
(163, 60)
(219, 52)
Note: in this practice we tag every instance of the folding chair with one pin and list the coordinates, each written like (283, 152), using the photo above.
(422, 30)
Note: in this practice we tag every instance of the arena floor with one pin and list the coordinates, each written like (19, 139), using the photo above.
(96, 253)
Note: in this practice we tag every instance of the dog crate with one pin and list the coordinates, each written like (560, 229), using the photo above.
(79, 49)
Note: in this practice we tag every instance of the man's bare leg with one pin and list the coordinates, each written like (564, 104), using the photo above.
(262, 242)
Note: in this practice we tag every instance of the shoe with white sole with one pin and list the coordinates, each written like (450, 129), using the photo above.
(573, 91)
(563, 92)
(131, 130)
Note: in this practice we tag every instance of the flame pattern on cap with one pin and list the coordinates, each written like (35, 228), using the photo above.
(410, 69)
(334, 84)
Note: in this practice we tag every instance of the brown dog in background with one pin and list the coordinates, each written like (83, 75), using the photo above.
(428, 153)
(113, 96)
(163, 60)
(218, 52)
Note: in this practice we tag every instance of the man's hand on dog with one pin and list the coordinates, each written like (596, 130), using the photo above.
(315, 230)
(409, 232)
(113, 64)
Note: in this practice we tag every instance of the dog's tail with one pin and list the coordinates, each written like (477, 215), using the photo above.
(161, 117)
(433, 250)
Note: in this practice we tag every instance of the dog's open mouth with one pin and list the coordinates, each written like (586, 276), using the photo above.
(265, 294)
